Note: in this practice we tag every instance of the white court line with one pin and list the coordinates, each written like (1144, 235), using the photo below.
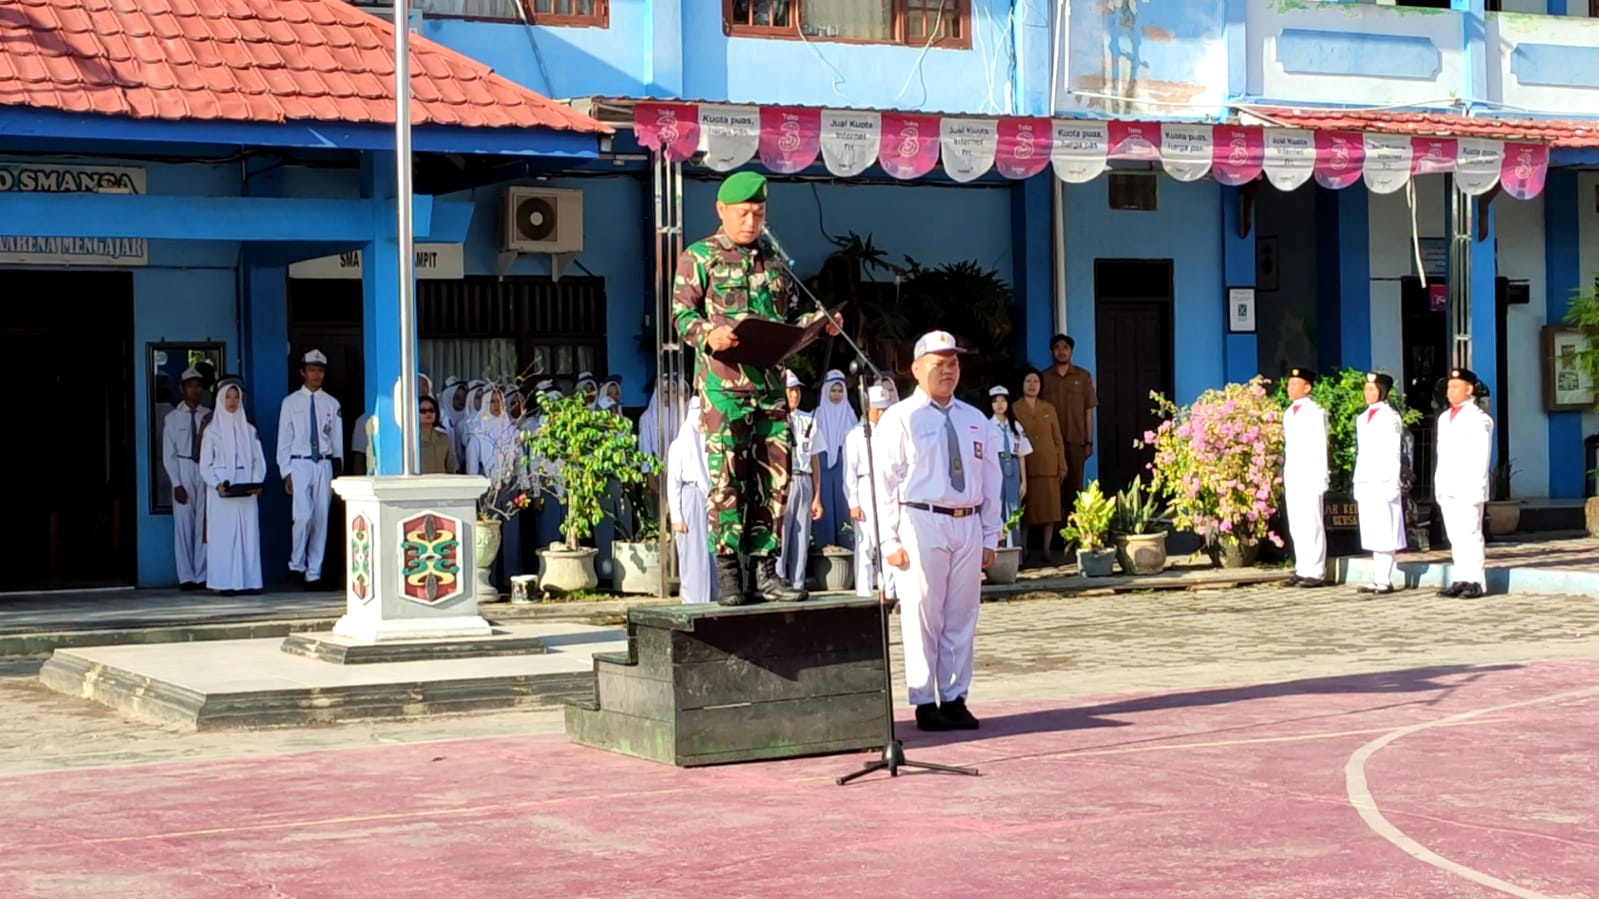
(1360, 795)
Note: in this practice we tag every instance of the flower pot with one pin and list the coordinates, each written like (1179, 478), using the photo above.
(1096, 562)
(1007, 562)
(1229, 553)
(524, 589)
(636, 567)
(834, 570)
(568, 570)
(486, 544)
(1141, 553)
(1504, 516)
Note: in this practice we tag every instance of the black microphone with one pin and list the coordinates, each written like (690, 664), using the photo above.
(777, 248)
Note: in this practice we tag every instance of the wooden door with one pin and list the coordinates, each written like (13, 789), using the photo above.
(1133, 353)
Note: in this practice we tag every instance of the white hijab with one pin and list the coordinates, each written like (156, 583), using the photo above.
(691, 441)
(496, 434)
(834, 420)
(235, 437)
(658, 419)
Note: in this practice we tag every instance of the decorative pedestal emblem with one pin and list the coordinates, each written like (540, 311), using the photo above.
(361, 558)
(430, 558)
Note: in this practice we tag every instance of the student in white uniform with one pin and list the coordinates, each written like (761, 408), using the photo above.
(310, 445)
(660, 422)
(687, 484)
(803, 505)
(858, 494)
(1305, 479)
(834, 419)
(1379, 440)
(587, 386)
(1014, 448)
(1460, 485)
(939, 483)
(180, 456)
(230, 454)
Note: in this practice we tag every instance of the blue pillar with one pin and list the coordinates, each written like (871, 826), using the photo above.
(264, 365)
(1562, 278)
(1240, 357)
(1031, 48)
(1485, 334)
(380, 321)
(1557, 7)
(665, 50)
(1032, 246)
(1234, 34)
(1354, 279)
(1474, 46)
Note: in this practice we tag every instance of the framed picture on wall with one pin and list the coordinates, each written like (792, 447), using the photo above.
(165, 364)
(1240, 310)
(1567, 386)
(1266, 262)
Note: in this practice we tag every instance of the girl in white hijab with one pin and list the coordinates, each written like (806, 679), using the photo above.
(230, 454)
(492, 446)
(687, 484)
(834, 420)
(587, 386)
(659, 424)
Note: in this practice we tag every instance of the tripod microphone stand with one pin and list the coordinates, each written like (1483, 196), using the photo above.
(893, 757)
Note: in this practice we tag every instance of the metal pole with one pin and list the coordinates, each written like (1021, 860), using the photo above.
(410, 438)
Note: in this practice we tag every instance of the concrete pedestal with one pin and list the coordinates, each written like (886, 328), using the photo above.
(411, 556)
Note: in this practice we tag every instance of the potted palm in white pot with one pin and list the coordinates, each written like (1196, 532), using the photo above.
(1139, 530)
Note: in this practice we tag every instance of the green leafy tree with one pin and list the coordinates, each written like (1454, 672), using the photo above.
(1342, 393)
(587, 448)
(1583, 314)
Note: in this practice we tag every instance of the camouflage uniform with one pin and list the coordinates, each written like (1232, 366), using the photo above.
(743, 410)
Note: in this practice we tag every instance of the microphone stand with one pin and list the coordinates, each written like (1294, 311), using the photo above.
(893, 756)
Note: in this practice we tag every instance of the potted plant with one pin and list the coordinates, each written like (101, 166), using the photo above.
(589, 449)
(1139, 528)
(1219, 463)
(1008, 558)
(1088, 528)
(636, 553)
(833, 567)
(1504, 513)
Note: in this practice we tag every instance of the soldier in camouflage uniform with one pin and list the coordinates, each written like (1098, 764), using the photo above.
(720, 281)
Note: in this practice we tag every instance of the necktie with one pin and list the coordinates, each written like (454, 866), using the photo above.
(1372, 414)
(1453, 411)
(957, 473)
(194, 435)
(316, 447)
(1296, 408)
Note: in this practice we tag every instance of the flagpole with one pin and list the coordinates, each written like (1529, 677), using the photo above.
(410, 439)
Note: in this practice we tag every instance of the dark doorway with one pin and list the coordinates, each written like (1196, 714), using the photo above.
(1133, 353)
(1424, 330)
(73, 472)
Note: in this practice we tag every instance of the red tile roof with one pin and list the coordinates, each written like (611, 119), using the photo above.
(1559, 133)
(247, 61)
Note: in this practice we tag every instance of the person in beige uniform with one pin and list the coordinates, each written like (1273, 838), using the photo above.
(1045, 468)
(1070, 389)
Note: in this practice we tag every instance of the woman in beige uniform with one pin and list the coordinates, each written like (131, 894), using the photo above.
(1046, 465)
(438, 449)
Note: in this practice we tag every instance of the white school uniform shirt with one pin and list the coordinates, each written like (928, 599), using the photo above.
(1379, 440)
(1002, 435)
(912, 461)
(177, 438)
(857, 475)
(293, 437)
(1305, 446)
(1465, 447)
(803, 426)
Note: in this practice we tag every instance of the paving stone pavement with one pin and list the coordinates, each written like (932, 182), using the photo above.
(1049, 649)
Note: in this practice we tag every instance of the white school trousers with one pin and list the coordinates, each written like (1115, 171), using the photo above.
(188, 523)
(313, 491)
(1308, 528)
(938, 598)
(1463, 524)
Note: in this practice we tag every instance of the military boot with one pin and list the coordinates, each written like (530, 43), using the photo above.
(770, 586)
(729, 581)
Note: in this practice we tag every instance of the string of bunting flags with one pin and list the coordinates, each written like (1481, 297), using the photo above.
(908, 145)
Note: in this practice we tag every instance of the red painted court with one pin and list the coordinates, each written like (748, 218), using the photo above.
(1435, 782)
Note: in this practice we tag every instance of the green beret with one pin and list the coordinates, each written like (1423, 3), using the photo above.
(744, 187)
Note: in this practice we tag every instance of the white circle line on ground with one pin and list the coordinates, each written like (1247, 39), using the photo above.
(1366, 805)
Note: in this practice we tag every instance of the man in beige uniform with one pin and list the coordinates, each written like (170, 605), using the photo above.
(1070, 389)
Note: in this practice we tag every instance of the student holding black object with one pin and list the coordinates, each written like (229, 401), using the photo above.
(234, 467)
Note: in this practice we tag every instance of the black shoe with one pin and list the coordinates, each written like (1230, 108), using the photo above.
(956, 714)
(227, 593)
(770, 586)
(296, 577)
(1374, 590)
(313, 586)
(1311, 583)
(929, 718)
(1470, 591)
(1452, 591)
(1294, 581)
(729, 581)
(186, 587)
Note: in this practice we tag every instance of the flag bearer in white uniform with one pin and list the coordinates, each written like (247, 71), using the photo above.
(310, 445)
(1465, 449)
(1379, 440)
(180, 456)
(857, 493)
(939, 484)
(803, 505)
(1305, 479)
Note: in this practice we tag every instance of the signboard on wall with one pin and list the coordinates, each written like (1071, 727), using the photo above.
(64, 249)
(434, 262)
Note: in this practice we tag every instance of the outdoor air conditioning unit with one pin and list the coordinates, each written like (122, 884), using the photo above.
(542, 220)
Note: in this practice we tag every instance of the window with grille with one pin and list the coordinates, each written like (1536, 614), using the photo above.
(540, 12)
(941, 23)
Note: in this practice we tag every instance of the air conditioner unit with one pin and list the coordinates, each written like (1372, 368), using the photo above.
(541, 220)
